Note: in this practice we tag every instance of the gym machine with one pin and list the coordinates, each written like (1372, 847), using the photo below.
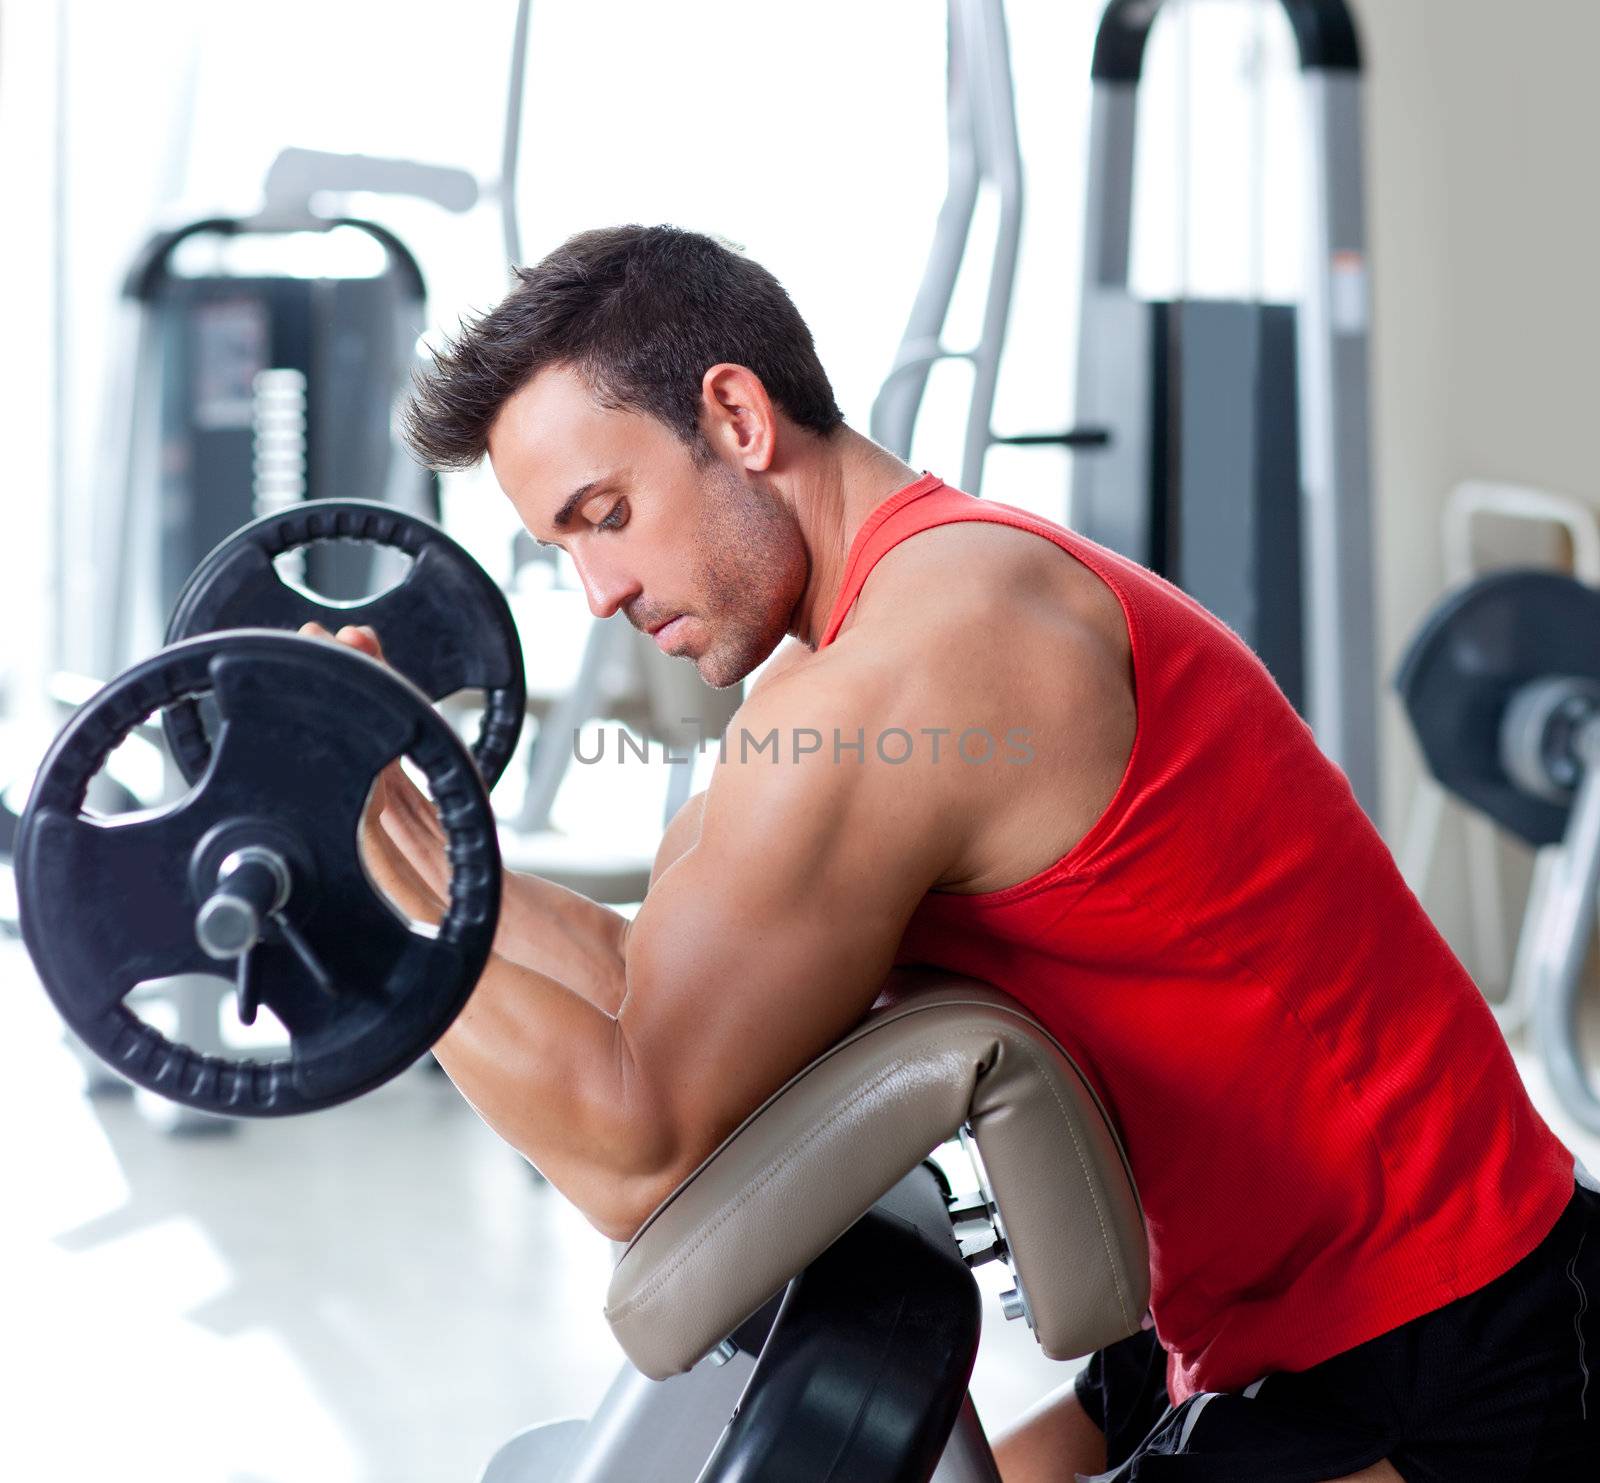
(1222, 444)
(982, 150)
(1502, 687)
(801, 1307)
(252, 385)
(1236, 461)
(254, 390)
(1502, 954)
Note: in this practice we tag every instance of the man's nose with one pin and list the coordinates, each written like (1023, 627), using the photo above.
(607, 588)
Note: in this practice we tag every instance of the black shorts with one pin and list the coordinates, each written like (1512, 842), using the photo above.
(1498, 1386)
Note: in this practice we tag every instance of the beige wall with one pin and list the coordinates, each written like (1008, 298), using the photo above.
(1483, 190)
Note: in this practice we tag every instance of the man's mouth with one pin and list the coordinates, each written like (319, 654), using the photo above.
(664, 633)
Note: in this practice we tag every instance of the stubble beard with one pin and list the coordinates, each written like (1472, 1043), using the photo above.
(753, 570)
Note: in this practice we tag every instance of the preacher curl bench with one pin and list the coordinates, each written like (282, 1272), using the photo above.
(800, 1308)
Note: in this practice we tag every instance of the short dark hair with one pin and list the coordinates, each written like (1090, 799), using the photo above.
(642, 313)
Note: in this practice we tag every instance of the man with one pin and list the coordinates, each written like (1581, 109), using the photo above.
(1368, 1253)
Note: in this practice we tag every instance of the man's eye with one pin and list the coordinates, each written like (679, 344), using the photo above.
(616, 519)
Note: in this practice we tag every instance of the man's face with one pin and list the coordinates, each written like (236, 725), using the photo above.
(697, 553)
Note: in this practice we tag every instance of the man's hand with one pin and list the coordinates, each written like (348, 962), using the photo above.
(402, 841)
(543, 927)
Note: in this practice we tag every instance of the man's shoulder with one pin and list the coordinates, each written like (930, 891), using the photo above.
(832, 758)
(976, 655)
(978, 605)
(843, 683)
(978, 571)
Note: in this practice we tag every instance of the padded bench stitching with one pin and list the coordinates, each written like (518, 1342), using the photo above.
(1032, 1052)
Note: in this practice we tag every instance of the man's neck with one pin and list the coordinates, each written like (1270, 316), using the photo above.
(832, 495)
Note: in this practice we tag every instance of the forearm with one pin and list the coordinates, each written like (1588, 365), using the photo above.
(576, 941)
(554, 1076)
(399, 879)
(543, 926)
(538, 1050)
(540, 1054)
(564, 936)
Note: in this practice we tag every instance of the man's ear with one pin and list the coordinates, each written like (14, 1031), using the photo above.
(737, 416)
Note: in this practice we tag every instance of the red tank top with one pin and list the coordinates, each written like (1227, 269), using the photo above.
(1326, 1128)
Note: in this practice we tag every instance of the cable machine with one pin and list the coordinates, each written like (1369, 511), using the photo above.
(1223, 444)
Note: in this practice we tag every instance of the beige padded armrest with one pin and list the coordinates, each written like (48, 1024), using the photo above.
(824, 1148)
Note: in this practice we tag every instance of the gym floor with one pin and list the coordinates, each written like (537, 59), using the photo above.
(381, 1293)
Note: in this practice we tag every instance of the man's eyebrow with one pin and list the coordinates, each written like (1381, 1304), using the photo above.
(563, 516)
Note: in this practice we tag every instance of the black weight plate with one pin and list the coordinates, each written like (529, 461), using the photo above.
(445, 627)
(305, 727)
(1480, 645)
